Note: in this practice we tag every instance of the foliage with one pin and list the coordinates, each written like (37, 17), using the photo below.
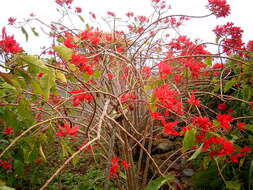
(93, 109)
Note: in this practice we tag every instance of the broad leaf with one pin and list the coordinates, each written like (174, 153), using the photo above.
(189, 139)
(159, 182)
(229, 85)
(64, 52)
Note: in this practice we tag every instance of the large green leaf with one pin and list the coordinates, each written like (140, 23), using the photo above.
(229, 85)
(159, 182)
(64, 52)
(19, 167)
(11, 79)
(36, 65)
(233, 185)
(189, 139)
(47, 82)
(24, 109)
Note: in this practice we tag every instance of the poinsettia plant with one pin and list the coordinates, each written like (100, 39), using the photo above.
(114, 97)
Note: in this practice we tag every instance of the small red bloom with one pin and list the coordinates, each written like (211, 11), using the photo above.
(68, 41)
(5, 164)
(8, 131)
(125, 164)
(130, 14)
(40, 75)
(111, 14)
(241, 126)
(222, 107)
(66, 130)
(114, 167)
(78, 9)
(126, 98)
(110, 76)
(88, 148)
(80, 97)
(11, 20)
(193, 100)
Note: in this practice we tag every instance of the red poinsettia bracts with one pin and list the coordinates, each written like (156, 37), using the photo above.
(8, 44)
(115, 166)
(224, 120)
(66, 130)
(5, 164)
(80, 97)
(219, 7)
(192, 100)
(8, 131)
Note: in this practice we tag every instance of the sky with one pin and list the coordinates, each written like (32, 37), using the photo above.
(46, 10)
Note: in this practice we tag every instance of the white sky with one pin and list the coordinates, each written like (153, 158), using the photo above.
(45, 9)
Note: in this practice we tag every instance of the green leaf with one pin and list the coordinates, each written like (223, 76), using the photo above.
(246, 91)
(233, 185)
(64, 52)
(36, 65)
(34, 32)
(208, 61)
(189, 139)
(24, 109)
(81, 18)
(11, 79)
(47, 82)
(61, 77)
(6, 188)
(196, 153)
(159, 182)
(19, 167)
(25, 33)
(229, 85)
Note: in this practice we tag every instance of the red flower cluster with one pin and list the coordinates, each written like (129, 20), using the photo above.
(127, 98)
(8, 131)
(80, 97)
(115, 166)
(88, 148)
(146, 72)
(82, 62)
(68, 41)
(219, 7)
(218, 146)
(62, 2)
(224, 120)
(169, 99)
(8, 44)
(204, 125)
(232, 37)
(5, 164)
(66, 130)
(164, 69)
(169, 128)
(242, 152)
(192, 100)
